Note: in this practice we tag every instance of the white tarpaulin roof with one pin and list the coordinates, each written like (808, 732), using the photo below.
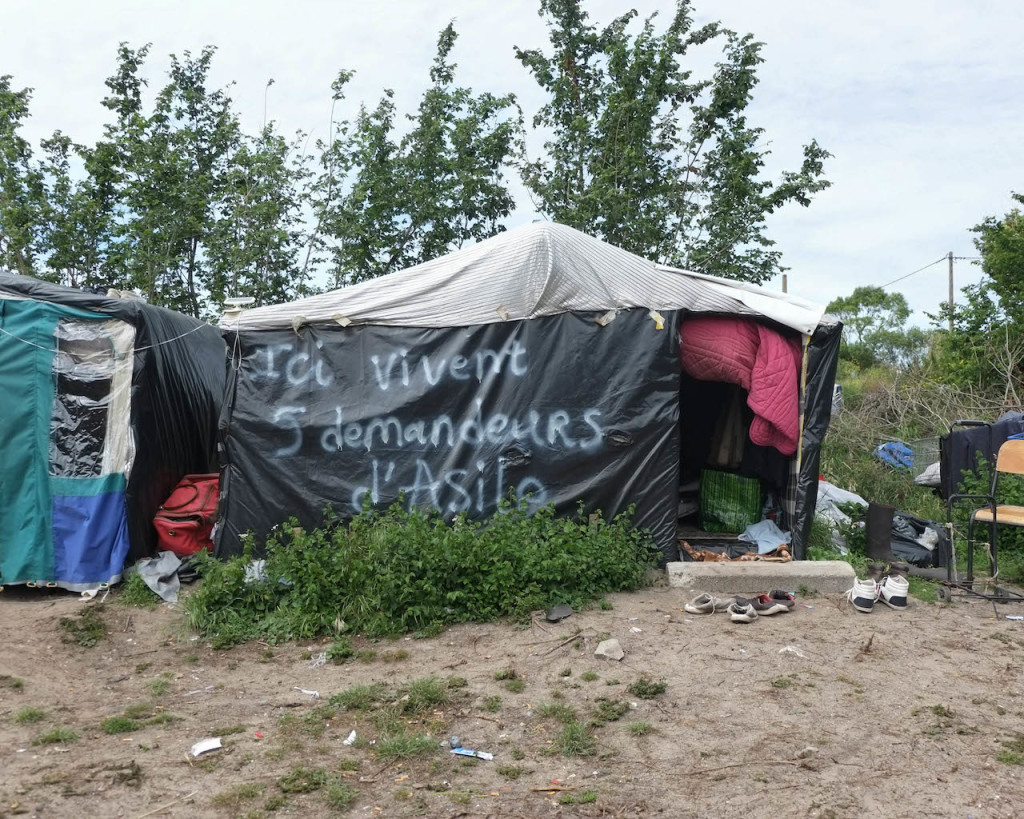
(540, 269)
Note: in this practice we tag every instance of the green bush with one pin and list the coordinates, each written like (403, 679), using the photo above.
(397, 571)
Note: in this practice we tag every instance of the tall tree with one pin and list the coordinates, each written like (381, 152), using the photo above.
(21, 184)
(253, 246)
(875, 328)
(76, 218)
(385, 202)
(647, 157)
(171, 167)
(1000, 241)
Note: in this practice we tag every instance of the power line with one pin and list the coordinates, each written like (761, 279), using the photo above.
(915, 272)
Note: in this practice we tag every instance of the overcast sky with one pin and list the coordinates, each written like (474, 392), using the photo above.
(920, 102)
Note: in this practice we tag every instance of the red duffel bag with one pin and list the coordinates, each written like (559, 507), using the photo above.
(185, 521)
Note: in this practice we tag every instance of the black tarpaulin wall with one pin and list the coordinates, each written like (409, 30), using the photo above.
(178, 378)
(559, 409)
(821, 363)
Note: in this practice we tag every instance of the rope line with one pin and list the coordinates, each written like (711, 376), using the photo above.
(136, 349)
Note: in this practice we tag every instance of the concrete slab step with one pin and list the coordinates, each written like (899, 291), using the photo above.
(821, 576)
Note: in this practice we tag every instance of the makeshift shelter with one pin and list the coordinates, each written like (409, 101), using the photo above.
(541, 362)
(105, 403)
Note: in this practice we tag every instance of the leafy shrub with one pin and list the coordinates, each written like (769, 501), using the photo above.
(396, 571)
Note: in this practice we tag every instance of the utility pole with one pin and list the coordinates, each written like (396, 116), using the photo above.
(950, 257)
(784, 283)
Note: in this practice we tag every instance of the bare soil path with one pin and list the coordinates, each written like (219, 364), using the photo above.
(822, 712)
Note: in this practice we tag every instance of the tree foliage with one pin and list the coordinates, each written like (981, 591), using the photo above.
(180, 203)
(985, 350)
(386, 202)
(651, 159)
(874, 328)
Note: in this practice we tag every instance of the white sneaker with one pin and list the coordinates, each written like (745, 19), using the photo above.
(863, 595)
(707, 604)
(742, 612)
(893, 591)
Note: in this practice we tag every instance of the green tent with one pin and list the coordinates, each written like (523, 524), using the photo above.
(105, 403)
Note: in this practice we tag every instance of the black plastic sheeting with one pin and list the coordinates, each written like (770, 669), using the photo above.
(822, 360)
(177, 388)
(961, 448)
(557, 410)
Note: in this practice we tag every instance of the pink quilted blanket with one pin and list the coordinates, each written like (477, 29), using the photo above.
(762, 361)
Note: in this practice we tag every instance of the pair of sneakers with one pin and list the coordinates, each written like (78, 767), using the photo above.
(892, 589)
(747, 610)
(742, 609)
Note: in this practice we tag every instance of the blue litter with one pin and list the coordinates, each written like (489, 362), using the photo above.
(895, 454)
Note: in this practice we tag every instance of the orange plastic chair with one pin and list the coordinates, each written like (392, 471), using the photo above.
(1009, 461)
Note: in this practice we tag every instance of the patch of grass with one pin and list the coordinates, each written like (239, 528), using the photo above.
(589, 676)
(647, 689)
(506, 674)
(28, 715)
(56, 736)
(394, 656)
(163, 718)
(13, 683)
(340, 651)
(517, 754)
(557, 710)
(606, 710)
(565, 672)
(640, 728)
(515, 686)
(511, 772)
(302, 780)
(141, 710)
(493, 703)
(234, 797)
(425, 694)
(341, 795)
(348, 764)
(1010, 757)
(120, 725)
(924, 590)
(605, 605)
(943, 711)
(406, 746)
(581, 798)
(87, 629)
(469, 571)
(612, 682)
(781, 682)
(141, 667)
(360, 697)
(227, 730)
(135, 592)
(461, 797)
(575, 739)
(366, 655)
(158, 686)
(275, 803)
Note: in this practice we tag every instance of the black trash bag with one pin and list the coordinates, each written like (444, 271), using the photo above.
(911, 549)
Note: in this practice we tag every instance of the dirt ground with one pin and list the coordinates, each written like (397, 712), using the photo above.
(819, 712)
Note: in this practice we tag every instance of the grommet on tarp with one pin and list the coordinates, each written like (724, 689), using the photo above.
(344, 321)
(607, 318)
(505, 314)
(659, 319)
